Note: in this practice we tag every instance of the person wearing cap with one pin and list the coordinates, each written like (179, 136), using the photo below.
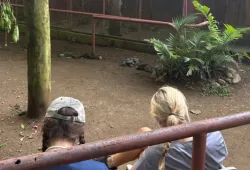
(63, 128)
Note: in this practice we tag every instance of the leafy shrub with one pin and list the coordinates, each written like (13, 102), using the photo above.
(221, 91)
(8, 21)
(196, 52)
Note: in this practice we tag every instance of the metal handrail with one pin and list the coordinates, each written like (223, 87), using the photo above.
(124, 143)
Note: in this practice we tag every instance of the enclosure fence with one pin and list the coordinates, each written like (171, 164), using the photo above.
(95, 17)
(198, 130)
(72, 13)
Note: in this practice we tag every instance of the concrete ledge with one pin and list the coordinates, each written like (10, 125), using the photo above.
(107, 41)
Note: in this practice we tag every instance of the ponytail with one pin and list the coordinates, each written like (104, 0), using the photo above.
(45, 142)
(162, 162)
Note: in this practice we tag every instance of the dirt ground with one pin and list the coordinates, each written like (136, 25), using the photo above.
(116, 99)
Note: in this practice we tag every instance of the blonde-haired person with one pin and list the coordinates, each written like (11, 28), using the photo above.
(169, 108)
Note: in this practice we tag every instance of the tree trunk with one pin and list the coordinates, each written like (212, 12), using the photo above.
(114, 8)
(38, 56)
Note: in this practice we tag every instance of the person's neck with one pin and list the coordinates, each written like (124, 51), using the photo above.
(188, 139)
(59, 144)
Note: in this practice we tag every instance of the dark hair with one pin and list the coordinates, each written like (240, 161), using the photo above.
(57, 129)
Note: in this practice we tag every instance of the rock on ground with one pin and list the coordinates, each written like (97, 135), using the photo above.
(236, 79)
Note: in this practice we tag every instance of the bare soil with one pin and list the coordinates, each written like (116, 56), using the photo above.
(117, 99)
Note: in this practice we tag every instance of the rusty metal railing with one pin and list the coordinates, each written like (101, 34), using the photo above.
(110, 17)
(107, 17)
(78, 153)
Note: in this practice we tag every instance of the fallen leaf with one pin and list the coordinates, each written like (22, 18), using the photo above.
(22, 138)
(21, 134)
(22, 126)
(1, 145)
(111, 126)
(196, 112)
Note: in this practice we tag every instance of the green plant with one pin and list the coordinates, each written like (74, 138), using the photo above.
(8, 21)
(1, 145)
(216, 90)
(195, 52)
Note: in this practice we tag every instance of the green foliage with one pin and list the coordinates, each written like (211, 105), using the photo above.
(1, 145)
(22, 126)
(196, 52)
(8, 21)
(214, 90)
(15, 35)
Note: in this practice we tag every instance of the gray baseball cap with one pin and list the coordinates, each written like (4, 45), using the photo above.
(62, 102)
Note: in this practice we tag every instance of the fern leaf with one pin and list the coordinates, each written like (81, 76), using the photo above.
(180, 22)
(191, 69)
(202, 9)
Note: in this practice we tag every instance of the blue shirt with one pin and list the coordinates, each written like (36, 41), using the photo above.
(84, 165)
(179, 156)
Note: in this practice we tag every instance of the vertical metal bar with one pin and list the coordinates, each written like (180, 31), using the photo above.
(93, 36)
(83, 4)
(103, 12)
(16, 9)
(151, 9)
(103, 6)
(70, 7)
(139, 16)
(184, 8)
(140, 9)
(199, 152)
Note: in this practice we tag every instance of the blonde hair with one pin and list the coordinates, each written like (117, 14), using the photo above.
(169, 106)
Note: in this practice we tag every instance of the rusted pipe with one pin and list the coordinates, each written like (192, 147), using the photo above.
(108, 17)
(62, 10)
(121, 144)
(111, 17)
(199, 152)
(198, 25)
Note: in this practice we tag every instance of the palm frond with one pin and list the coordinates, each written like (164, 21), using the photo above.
(192, 69)
(180, 22)
(243, 30)
(198, 38)
(220, 59)
(230, 34)
(202, 9)
(173, 40)
(159, 46)
(194, 51)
